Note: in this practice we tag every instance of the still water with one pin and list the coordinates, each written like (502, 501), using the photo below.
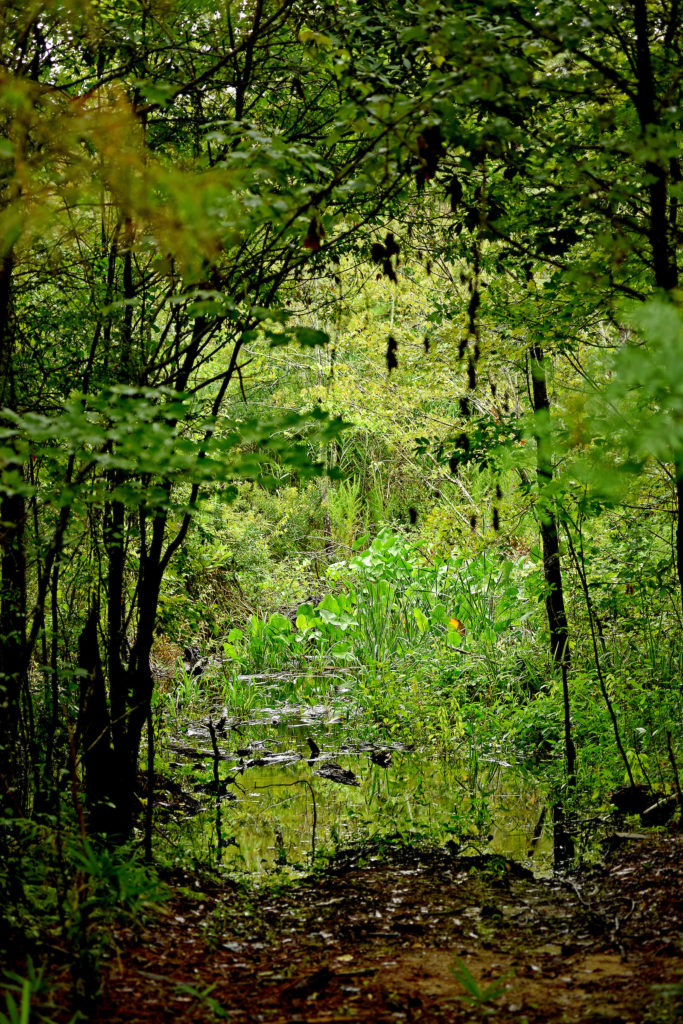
(280, 802)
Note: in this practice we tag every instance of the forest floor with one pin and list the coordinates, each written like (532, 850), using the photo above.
(376, 937)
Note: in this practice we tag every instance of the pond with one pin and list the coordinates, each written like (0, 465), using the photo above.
(299, 780)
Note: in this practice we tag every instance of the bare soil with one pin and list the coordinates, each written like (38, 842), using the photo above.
(376, 937)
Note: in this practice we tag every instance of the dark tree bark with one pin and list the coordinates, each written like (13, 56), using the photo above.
(13, 641)
(552, 569)
(679, 527)
(557, 617)
(12, 579)
(102, 777)
(114, 526)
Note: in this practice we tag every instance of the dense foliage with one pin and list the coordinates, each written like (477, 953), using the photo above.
(344, 340)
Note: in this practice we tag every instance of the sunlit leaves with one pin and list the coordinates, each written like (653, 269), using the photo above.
(141, 437)
(647, 389)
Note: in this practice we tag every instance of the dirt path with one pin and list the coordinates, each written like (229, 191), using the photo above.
(376, 940)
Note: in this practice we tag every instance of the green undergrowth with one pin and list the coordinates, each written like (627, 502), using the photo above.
(409, 648)
(445, 662)
(63, 891)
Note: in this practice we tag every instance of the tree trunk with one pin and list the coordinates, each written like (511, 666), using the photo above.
(94, 731)
(111, 728)
(12, 580)
(663, 207)
(552, 569)
(114, 525)
(557, 617)
(679, 528)
(13, 644)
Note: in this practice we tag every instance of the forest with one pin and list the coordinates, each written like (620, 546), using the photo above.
(341, 479)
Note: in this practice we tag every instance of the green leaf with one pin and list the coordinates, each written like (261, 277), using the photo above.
(308, 337)
(421, 619)
(279, 624)
(156, 92)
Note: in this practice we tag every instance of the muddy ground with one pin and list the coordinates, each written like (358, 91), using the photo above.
(382, 935)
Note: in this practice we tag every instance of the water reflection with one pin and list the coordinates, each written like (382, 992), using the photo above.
(274, 810)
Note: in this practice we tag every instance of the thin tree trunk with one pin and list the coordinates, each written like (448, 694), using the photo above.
(13, 641)
(552, 569)
(679, 528)
(12, 579)
(554, 602)
(116, 674)
(94, 731)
